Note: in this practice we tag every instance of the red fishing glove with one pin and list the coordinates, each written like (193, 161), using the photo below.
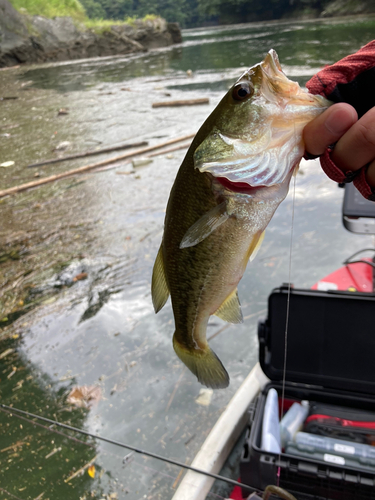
(351, 80)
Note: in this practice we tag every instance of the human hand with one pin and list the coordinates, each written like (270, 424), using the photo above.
(355, 139)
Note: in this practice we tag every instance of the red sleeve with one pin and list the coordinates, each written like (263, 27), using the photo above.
(344, 79)
(350, 80)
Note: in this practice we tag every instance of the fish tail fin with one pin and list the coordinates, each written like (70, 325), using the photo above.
(204, 363)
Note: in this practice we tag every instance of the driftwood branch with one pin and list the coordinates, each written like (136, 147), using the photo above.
(187, 102)
(151, 155)
(169, 150)
(88, 153)
(63, 175)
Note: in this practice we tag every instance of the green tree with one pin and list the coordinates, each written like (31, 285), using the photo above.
(170, 10)
(117, 9)
(94, 9)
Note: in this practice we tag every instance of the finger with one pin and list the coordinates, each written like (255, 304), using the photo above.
(357, 147)
(328, 127)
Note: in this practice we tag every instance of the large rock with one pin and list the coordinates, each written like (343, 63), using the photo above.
(37, 39)
(151, 34)
(13, 33)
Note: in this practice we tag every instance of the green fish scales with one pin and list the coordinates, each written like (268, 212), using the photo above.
(234, 176)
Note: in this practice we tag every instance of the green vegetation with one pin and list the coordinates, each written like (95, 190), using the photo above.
(189, 13)
(182, 12)
(92, 16)
(51, 8)
(103, 25)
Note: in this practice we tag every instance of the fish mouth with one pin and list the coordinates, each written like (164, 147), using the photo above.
(237, 187)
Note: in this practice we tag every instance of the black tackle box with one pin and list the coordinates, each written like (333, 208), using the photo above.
(330, 361)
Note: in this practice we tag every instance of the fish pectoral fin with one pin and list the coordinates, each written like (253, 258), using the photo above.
(204, 363)
(296, 169)
(255, 245)
(230, 309)
(159, 287)
(204, 226)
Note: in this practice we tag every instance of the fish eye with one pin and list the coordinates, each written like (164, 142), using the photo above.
(242, 91)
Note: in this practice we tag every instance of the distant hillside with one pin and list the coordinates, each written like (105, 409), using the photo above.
(192, 13)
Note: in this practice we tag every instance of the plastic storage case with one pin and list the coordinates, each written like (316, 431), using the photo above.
(330, 360)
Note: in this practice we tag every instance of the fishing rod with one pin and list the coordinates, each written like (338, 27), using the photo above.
(269, 490)
(12, 410)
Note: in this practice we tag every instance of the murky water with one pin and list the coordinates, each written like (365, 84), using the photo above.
(101, 331)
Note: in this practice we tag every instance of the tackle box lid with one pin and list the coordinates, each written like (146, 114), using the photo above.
(330, 341)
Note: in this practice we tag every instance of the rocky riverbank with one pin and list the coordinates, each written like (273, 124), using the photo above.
(26, 39)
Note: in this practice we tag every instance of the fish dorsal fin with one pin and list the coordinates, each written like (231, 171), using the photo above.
(204, 226)
(230, 309)
(255, 246)
(159, 287)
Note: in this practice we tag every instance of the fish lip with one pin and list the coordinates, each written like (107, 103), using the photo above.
(269, 66)
(272, 59)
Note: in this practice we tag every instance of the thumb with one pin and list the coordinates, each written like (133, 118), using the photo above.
(328, 127)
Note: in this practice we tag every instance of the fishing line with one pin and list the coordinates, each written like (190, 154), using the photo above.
(15, 411)
(18, 412)
(287, 314)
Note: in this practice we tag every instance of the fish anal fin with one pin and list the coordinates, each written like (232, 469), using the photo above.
(230, 309)
(204, 226)
(204, 363)
(255, 245)
(159, 287)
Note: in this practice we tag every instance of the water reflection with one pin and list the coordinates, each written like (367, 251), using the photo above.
(47, 456)
(83, 75)
(312, 43)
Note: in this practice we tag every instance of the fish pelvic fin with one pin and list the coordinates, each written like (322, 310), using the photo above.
(204, 363)
(204, 226)
(159, 286)
(230, 309)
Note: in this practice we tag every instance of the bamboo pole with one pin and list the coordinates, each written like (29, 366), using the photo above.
(88, 153)
(187, 102)
(63, 175)
(169, 150)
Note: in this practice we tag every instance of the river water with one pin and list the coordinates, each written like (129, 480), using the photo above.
(101, 331)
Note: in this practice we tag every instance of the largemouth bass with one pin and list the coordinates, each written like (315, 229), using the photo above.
(233, 177)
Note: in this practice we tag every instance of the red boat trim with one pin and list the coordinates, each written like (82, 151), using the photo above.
(342, 421)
